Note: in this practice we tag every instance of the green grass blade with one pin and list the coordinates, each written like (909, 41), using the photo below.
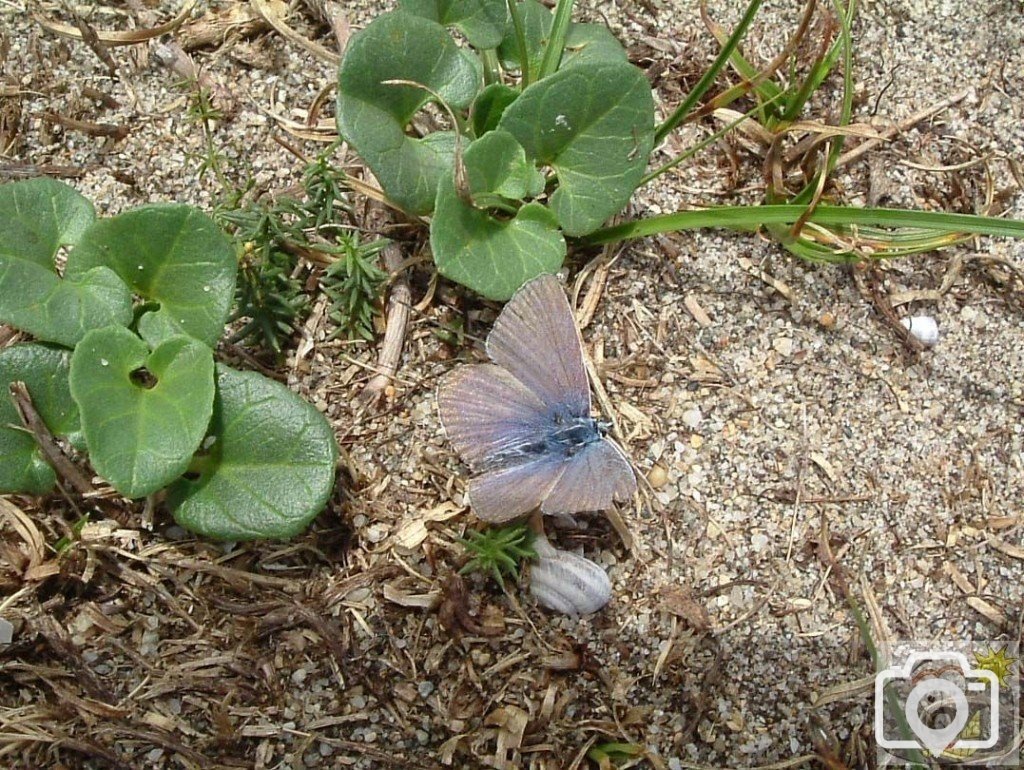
(524, 52)
(751, 218)
(556, 43)
(683, 110)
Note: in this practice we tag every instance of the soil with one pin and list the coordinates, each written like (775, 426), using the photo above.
(803, 458)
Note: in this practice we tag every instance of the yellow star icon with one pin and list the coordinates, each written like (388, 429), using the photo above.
(996, 661)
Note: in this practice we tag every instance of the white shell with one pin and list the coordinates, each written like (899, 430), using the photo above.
(923, 328)
(566, 582)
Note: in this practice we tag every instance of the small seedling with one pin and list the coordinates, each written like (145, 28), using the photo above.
(123, 367)
(499, 551)
(612, 755)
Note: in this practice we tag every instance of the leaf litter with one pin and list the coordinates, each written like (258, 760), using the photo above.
(728, 640)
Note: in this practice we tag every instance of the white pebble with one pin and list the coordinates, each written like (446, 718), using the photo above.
(923, 328)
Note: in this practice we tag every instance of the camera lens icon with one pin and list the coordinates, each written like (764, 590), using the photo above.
(949, 694)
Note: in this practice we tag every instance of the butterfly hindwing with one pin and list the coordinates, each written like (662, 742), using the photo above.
(595, 476)
(504, 494)
(535, 339)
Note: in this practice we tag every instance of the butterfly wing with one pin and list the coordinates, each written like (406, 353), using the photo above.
(485, 411)
(503, 494)
(535, 338)
(594, 477)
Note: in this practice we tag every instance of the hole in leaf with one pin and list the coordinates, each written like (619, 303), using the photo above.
(143, 378)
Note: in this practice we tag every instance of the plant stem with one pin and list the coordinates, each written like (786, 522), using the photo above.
(492, 69)
(556, 41)
(684, 109)
(754, 217)
(524, 53)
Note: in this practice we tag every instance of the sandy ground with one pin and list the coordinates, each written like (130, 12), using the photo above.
(803, 453)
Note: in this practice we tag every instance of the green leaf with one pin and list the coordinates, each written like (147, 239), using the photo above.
(593, 124)
(373, 114)
(483, 22)
(496, 165)
(270, 469)
(170, 254)
(141, 435)
(584, 42)
(493, 257)
(38, 216)
(44, 371)
(37, 301)
(489, 106)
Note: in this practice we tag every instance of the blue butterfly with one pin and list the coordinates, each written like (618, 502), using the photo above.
(522, 423)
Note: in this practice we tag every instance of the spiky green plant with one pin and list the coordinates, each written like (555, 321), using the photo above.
(354, 284)
(499, 551)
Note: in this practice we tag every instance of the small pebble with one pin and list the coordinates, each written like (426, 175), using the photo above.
(923, 328)
(6, 631)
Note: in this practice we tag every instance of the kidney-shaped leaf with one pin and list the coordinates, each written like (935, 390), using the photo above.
(269, 470)
(38, 216)
(143, 414)
(583, 42)
(373, 113)
(483, 22)
(594, 124)
(496, 165)
(45, 373)
(35, 300)
(172, 255)
(490, 256)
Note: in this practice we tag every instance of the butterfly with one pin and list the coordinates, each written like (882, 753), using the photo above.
(522, 422)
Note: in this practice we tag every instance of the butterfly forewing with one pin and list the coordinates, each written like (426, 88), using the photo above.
(594, 477)
(535, 338)
(487, 412)
(504, 494)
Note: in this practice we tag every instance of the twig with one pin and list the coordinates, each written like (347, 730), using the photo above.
(92, 129)
(889, 133)
(276, 20)
(399, 304)
(91, 39)
(34, 424)
(16, 170)
(116, 38)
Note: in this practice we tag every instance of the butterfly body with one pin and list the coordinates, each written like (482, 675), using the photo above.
(522, 423)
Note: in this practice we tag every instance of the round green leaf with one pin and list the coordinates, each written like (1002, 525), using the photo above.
(45, 373)
(493, 257)
(373, 113)
(583, 42)
(593, 123)
(172, 255)
(269, 470)
(483, 22)
(143, 414)
(35, 300)
(496, 165)
(38, 216)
